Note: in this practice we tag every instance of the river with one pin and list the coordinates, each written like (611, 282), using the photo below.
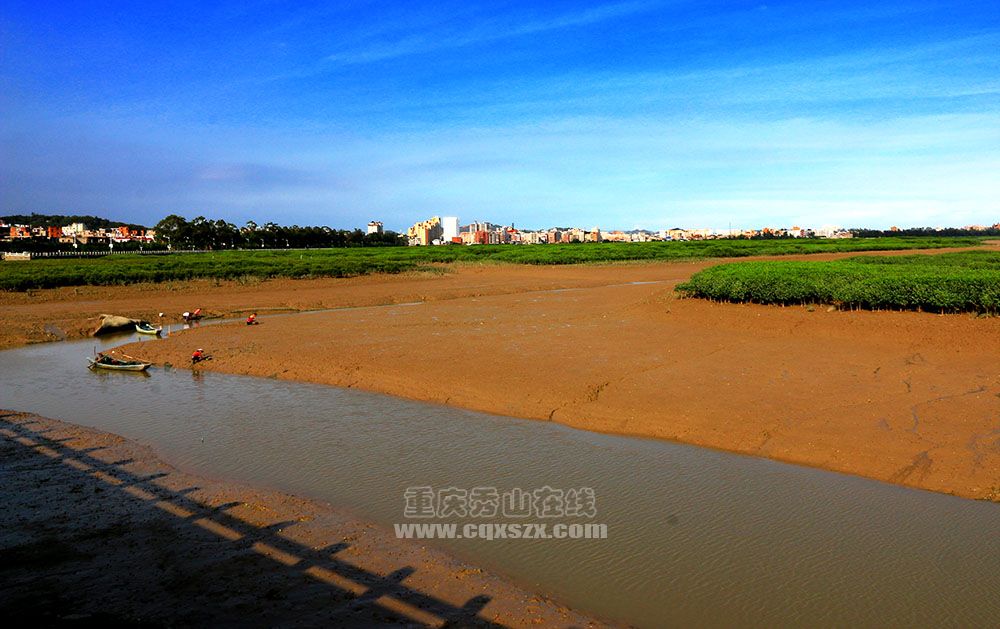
(695, 536)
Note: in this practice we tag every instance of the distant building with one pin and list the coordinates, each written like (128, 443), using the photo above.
(425, 232)
(829, 231)
(375, 227)
(478, 227)
(532, 237)
(449, 227)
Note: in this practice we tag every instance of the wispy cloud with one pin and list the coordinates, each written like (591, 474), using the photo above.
(947, 75)
(662, 111)
(484, 32)
(258, 176)
(928, 70)
(916, 170)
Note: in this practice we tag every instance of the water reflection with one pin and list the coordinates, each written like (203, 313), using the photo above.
(696, 537)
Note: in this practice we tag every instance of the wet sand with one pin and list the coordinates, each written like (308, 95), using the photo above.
(38, 316)
(902, 397)
(97, 529)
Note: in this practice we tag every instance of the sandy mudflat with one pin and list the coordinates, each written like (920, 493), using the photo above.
(73, 312)
(95, 529)
(903, 397)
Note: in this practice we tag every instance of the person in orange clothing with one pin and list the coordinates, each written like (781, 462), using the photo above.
(252, 319)
(197, 356)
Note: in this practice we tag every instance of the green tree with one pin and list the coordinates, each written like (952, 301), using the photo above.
(174, 231)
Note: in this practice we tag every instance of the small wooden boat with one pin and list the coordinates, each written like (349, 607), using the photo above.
(144, 327)
(104, 361)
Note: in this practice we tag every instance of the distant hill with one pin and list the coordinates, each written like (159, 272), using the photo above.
(59, 220)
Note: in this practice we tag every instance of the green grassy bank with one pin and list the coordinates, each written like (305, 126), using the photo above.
(127, 269)
(966, 281)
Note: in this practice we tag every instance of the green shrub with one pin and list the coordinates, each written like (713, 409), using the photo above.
(951, 282)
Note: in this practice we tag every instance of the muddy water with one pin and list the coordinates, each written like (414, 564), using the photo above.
(696, 537)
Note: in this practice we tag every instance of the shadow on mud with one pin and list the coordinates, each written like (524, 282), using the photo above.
(85, 540)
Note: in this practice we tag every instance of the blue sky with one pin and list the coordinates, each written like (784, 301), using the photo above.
(628, 114)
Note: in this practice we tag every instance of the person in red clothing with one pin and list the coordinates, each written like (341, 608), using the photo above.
(252, 319)
(197, 356)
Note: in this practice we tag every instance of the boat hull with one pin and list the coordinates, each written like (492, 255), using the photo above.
(130, 367)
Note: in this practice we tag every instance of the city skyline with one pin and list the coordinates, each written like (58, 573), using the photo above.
(623, 115)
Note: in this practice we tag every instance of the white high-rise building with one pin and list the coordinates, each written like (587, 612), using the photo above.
(450, 226)
(375, 227)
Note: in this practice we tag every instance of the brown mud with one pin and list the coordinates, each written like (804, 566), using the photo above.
(903, 397)
(96, 529)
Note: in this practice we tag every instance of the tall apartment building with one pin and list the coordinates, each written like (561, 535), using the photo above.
(425, 232)
(449, 227)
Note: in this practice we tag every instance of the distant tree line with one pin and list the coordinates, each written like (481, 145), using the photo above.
(176, 232)
(203, 233)
(860, 232)
(60, 220)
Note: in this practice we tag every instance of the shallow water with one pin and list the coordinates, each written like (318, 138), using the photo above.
(696, 537)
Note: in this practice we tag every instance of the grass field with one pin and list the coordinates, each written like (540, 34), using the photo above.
(128, 269)
(967, 281)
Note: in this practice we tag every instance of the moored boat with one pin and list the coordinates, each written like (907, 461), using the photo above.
(144, 327)
(103, 361)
